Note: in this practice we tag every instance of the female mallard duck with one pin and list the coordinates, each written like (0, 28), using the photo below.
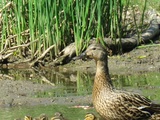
(90, 116)
(112, 104)
(58, 116)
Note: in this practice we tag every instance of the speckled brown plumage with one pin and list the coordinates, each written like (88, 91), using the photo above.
(110, 103)
(155, 117)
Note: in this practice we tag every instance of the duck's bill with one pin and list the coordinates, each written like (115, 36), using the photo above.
(81, 56)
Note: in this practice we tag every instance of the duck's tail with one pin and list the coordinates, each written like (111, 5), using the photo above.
(155, 108)
(152, 109)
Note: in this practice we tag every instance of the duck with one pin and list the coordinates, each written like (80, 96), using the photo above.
(90, 116)
(114, 104)
(27, 117)
(58, 116)
(41, 117)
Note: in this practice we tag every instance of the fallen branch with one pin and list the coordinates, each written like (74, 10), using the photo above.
(3, 57)
(42, 55)
(130, 43)
(45, 52)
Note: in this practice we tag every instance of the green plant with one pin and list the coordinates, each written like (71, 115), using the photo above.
(34, 26)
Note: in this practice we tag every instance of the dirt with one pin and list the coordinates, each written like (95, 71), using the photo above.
(20, 93)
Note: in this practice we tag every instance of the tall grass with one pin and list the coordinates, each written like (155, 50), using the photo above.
(59, 23)
(115, 20)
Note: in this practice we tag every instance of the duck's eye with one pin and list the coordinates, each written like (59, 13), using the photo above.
(93, 48)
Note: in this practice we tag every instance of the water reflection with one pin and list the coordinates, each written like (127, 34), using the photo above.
(78, 83)
(147, 84)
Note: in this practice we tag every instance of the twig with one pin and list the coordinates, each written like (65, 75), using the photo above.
(45, 52)
(42, 55)
(11, 37)
(44, 79)
(6, 6)
(24, 45)
(6, 76)
(2, 57)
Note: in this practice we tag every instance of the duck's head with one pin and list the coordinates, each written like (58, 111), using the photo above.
(43, 117)
(95, 51)
(90, 116)
(57, 116)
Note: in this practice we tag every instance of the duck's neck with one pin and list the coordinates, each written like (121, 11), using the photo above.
(102, 78)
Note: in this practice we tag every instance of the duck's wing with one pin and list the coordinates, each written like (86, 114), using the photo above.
(127, 108)
(136, 99)
(143, 103)
(138, 106)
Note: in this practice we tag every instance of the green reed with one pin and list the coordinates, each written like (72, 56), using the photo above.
(59, 23)
(115, 13)
(84, 84)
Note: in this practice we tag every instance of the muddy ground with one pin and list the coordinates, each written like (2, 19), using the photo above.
(20, 93)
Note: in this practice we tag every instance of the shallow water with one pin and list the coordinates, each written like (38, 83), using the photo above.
(75, 84)
(69, 112)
